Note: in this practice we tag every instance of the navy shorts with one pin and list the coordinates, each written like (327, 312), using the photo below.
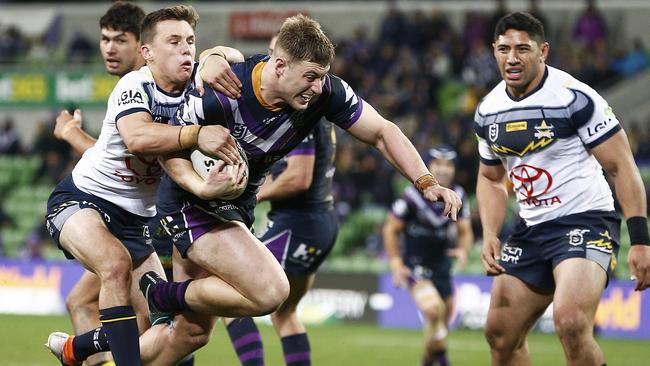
(300, 239)
(531, 253)
(438, 272)
(194, 220)
(129, 228)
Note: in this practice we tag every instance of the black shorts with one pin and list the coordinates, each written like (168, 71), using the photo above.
(128, 228)
(300, 239)
(438, 272)
(194, 220)
(531, 253)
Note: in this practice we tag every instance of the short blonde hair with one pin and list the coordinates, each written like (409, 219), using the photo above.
(302, 39)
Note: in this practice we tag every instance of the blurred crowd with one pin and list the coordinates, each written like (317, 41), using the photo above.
(419, 72)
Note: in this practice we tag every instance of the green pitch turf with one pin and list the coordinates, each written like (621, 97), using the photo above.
(22, 338)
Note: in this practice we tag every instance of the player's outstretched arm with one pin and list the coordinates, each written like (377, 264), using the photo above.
(68, 128)
(615, 156)
(384, 135)
(492, 199)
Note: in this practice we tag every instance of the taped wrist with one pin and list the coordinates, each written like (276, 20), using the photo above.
(637, 226)
(425, 181)
(188, 136)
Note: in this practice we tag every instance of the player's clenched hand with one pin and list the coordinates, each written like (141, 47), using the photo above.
(490, 253)
(638, 258)
(215, 71)
(224, 182)
(65, 122)
(216, 141)
(448, 196)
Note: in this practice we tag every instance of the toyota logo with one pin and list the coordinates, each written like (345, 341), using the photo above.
(530, 181)
(143, 166)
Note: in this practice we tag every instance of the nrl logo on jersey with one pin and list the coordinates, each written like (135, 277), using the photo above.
(576, 236)
(493, 132)
(544, 131)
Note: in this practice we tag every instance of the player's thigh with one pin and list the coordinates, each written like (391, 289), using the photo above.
(579, 286)
(87, 238)
(426, 297)
(514, 307)
(85, 291)
(233, 253)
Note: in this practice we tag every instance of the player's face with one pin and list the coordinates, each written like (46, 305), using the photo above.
(520, 60)
(444, 170)
(120, 51)
(301, 81)
(172, 51)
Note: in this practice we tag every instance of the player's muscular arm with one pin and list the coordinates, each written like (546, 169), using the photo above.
(295, 179)
(214, 70)
(384, 135)
(465, 241)
(222, 182)
(492, 200)
(391, 231)
(616, 158)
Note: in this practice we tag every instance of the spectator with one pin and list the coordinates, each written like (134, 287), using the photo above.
(9, 142)
(590, 27)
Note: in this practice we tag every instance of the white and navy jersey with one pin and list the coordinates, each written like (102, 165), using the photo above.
(543, 140)
(265, 132)
(108, 170)
(428, 233)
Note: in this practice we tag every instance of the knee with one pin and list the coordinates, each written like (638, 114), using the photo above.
(571, 326)
(76, 304)
(116, 271)
(433, 313)
(272, 295)
(499, 339)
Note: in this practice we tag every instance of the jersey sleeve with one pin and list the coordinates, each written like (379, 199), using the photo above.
(401, 209)
(592, 117)
(344, 106)
(197, 110)
(306, 147)
(131, 95)
(487, 156)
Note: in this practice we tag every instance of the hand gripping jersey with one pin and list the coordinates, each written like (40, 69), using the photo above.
(266, 133)
(108, 170)
(543, 141)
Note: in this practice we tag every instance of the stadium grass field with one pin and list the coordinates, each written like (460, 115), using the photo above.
(332, 345)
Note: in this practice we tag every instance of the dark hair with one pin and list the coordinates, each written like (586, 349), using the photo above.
(123, 16)
(178, 12)
(303, 40)
(521, 21)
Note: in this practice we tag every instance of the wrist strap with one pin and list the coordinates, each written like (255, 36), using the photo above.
(425, 181)
(637, 226)
(188, 136)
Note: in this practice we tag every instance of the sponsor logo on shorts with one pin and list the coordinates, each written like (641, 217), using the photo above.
(305, 254)
(510, 254)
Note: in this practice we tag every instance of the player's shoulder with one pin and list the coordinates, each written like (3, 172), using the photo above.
(567, 86)
(141, 75)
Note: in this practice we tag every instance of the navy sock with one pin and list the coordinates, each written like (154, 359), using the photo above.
(89, 343)
(246, 340)
(122, 331)
(170, 296)
(296, 350)
(441, 357)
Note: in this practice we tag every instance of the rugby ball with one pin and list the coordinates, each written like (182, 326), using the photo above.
(202, 163)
